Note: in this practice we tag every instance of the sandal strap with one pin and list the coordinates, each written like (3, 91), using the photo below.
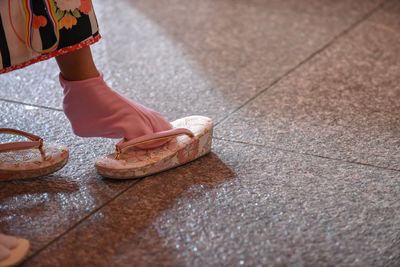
(150, 138)
(36, 141)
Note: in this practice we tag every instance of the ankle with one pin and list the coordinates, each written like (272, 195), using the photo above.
(80, 75)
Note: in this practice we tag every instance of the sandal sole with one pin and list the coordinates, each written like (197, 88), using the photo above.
(163, 159)
(30, 173)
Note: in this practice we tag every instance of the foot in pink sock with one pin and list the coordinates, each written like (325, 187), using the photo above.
(7, 243)
(95, 110)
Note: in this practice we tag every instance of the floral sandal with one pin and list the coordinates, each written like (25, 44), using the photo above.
(12, 250)
(29, 159)
(189, 139)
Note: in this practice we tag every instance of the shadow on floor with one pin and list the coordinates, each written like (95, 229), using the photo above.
(131, 226)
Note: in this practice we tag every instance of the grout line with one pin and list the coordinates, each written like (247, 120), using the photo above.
(94, 211)
(303, 62)
(307, 154)
(363, 18)
(27, 104)
(222, 120)
(83, 219)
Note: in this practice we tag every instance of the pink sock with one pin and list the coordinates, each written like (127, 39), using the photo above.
(95, 110)
(8, 241)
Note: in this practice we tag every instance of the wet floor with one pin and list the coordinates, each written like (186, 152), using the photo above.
(305, 168)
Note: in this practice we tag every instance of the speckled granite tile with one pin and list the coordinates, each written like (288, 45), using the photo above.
(196, 63)
(271, 36)
(389, 13)
(42, 209)
(342, 104)
(344, 9)
(244, 206)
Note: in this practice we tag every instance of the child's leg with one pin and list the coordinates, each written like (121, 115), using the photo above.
(77, 65)
(95, 110)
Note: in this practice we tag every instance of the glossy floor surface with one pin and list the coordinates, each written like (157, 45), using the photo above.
(305, 168)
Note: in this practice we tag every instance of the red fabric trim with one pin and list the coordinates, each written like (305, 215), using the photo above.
(56, 53)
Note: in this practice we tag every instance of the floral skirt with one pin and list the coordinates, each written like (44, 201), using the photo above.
(35, 30)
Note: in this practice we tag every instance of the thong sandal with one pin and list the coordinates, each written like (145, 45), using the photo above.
(29, 159)
(189, 139)
(16, 254)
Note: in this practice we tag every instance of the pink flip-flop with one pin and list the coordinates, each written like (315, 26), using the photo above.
(190, 138)
(29, 159)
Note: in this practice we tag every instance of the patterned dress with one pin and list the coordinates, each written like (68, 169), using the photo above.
(35, 30)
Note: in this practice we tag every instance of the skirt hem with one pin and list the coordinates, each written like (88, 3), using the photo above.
(94, 39)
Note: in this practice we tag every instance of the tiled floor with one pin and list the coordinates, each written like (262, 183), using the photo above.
(305, 169)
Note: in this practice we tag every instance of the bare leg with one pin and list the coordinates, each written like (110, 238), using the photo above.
(77, 65)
